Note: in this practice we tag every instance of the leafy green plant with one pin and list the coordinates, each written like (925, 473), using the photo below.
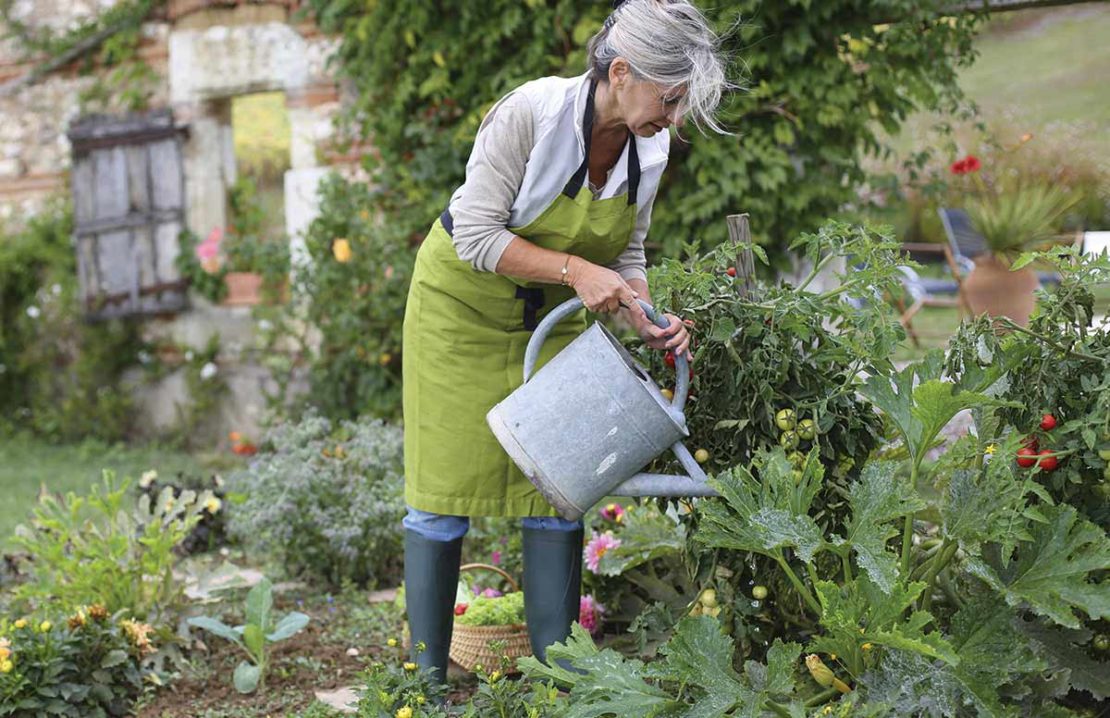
(107, 548)
(255, 636)
(87, 664)
(1015, 219)
(492, 610)
(694, 676)
(356, 300)
(208, 281)
(60, 376)
(324, 499)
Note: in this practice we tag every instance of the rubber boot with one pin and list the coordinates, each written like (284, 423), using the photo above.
(552, 585)
(431, 580)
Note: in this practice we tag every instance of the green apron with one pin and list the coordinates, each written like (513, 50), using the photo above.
(465, 333)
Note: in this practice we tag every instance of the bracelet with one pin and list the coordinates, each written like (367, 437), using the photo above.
(563, 278)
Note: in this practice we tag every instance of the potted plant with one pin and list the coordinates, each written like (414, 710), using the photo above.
(1012, 216)
(257, 270)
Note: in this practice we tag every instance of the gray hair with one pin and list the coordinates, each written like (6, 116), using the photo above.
(669, 43)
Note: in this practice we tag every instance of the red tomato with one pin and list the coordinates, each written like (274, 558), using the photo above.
(1026, 457)
(668, 359)
(1048, 422)
(732, 271)
(1048, 462)
(1030, 442)
(460, 609)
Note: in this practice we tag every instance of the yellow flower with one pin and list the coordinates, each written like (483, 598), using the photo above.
(6, 666)
(392, 643)
(420, 699)
(21, 623)
(213, 504)
(98, 612)
(410, 666)
(867, 646)
(494, 676)
(827, 710)
(77, 620)
(5, 652)
(404, 712)
(139, 634)
(45, 626)
(991, 448)
(341, 249)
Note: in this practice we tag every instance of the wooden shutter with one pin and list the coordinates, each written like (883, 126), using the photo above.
(128, 206)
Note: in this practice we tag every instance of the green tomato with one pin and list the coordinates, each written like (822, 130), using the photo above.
(1102, 642)
(789, 440)
(797, 458)
(807, 430)
(1104, 454)
(759, 592)
(785, 419)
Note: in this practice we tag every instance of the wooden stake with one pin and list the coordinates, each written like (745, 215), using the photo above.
(741, 235)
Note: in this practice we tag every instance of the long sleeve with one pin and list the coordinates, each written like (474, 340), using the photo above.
(632, 263)
(494, 173)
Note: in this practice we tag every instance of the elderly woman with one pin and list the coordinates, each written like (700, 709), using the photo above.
(557, 201)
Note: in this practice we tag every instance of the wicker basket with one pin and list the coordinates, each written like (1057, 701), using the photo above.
(470, 644)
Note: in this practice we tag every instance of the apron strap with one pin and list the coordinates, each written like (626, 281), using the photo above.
(576, 181)
(533, 302)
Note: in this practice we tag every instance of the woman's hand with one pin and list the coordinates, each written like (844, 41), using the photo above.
(601, 289)
(675, 337)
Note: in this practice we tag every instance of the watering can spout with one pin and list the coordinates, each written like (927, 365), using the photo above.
(695, 483)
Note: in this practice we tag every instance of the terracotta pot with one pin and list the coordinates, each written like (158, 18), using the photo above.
(243, 288)
(992, 288)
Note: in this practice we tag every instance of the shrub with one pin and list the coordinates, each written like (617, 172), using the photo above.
(103, 549)
(82, 666)
(324, 499)
(59, 375)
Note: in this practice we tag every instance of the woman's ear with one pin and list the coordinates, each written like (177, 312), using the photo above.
(619, 72)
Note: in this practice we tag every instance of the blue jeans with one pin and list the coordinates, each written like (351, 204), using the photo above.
(440, 527)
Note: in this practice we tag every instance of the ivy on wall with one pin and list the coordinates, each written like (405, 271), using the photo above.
(108, 40)
(822, 79)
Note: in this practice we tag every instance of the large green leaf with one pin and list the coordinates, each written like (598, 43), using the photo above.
(1063, 649)
(860, 612)
(1055, 572)
(255, 640)
(216, 627)
(700, 654)
(579, 644)
(246, 677)
(260, 602)
(766, 514)
(991, 650)
(647, 534)
(877, 499)
(614, 685)
(291, 624)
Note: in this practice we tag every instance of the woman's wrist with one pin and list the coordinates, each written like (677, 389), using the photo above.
(573, 270)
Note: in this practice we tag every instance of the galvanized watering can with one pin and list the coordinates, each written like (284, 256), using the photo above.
(591, 418)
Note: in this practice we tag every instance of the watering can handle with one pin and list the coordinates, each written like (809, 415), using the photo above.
(564, 310)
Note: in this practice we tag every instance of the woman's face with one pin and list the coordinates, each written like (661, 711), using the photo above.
(645, 107)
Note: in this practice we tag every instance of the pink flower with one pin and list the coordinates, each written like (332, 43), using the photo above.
(612, 512)
(491, 593)
(590, 613)
(495, 558)
(598, 546)
(210, 247)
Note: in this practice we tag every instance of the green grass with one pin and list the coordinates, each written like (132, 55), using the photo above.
(1045, 65)
(1041, 71)
(28, 464)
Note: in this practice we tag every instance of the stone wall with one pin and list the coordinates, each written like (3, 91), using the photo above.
(205, 54)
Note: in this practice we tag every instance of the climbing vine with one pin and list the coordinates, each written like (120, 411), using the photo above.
(823, 79)
(107, 40)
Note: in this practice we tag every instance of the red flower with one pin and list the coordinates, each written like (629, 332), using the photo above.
(968, 164)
